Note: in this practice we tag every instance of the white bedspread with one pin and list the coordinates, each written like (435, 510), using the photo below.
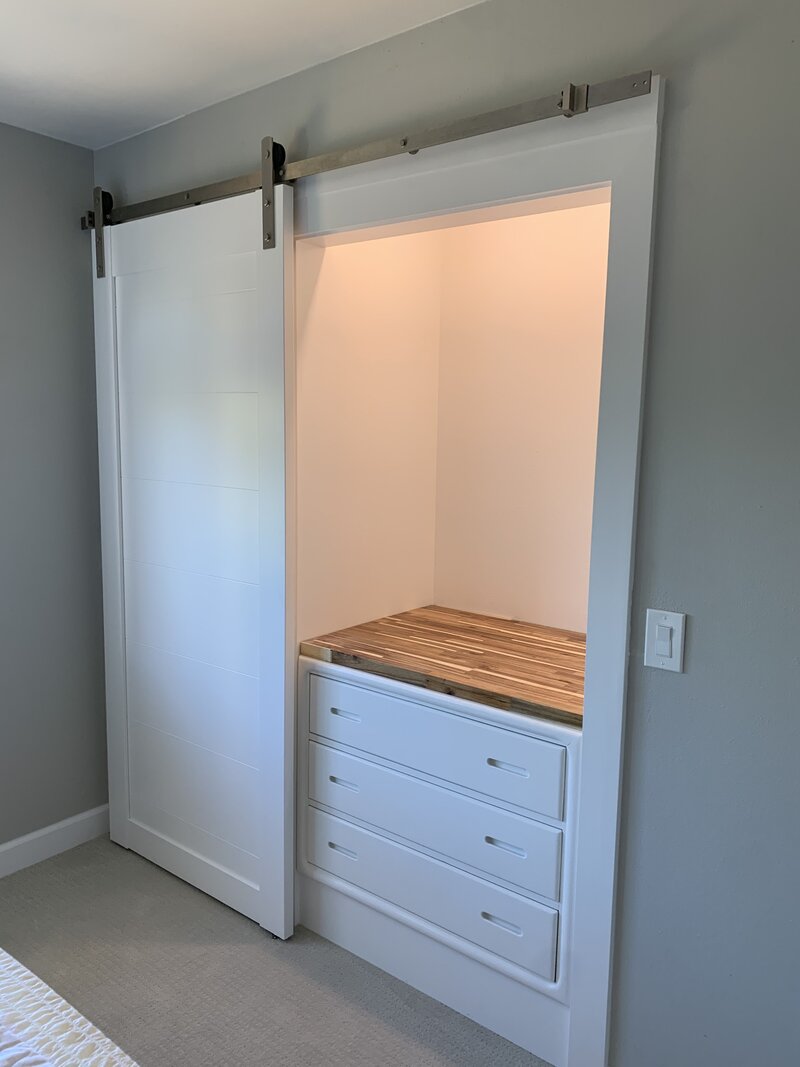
(39, 1029)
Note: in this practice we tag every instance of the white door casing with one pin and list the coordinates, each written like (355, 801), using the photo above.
(195, 381)
(614, 146)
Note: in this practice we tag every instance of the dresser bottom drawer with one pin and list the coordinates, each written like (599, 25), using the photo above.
(519, 930)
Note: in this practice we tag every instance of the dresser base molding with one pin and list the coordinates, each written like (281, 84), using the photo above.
(522, 1015)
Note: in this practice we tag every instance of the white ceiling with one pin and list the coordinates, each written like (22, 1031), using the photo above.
(97, 71)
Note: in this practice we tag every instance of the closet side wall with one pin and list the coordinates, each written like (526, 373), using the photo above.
(368, 319)
(522, 333)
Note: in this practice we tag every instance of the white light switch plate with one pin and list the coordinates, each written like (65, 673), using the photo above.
(663, 640)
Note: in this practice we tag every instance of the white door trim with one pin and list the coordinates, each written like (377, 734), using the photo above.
(613, 146)
(278, 651)
(105, 340)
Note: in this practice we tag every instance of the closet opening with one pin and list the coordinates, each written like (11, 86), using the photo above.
(448, 379)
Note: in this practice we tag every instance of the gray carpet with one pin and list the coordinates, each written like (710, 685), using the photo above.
(179, 980)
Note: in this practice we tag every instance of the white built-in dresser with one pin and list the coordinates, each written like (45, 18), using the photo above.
(439, 762)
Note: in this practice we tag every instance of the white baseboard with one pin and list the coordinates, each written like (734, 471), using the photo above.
(50, 840)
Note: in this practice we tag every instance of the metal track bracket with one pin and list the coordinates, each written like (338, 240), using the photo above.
(268, 192)
(96, 219)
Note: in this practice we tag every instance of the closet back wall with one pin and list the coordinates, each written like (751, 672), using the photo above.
(52, 716)
(711, 765)
(519, 386)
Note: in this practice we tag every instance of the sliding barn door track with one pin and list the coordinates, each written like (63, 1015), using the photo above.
(572, 100)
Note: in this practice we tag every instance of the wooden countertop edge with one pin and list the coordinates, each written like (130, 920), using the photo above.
(313, 651)
(318, 652)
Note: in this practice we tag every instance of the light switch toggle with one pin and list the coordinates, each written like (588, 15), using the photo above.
(663, 640)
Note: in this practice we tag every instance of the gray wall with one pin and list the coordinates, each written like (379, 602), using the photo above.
(52, 734)
(708, 939)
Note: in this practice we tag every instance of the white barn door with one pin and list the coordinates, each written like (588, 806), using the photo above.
(194, 371)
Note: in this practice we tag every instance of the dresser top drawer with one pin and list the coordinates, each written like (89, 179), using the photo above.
(498, 763)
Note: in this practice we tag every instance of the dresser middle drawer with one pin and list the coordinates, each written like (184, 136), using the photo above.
(521, 851)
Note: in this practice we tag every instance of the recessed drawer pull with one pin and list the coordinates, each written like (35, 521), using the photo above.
(344, 851)
(515, 850)
(344, 783)
(512, 768)
(351, 715)
(504, 924)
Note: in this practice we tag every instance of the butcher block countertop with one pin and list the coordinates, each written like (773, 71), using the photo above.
(518, 666)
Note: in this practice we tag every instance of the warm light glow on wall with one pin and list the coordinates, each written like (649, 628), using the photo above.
(448, 395)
